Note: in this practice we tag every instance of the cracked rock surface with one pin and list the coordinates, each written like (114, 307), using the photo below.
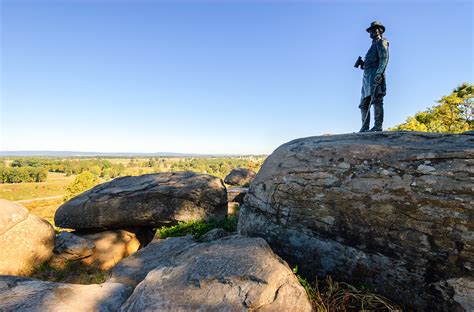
(394, 210)
(148, 200)
(231, 274)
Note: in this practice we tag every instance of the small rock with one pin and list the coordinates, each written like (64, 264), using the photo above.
(344, 165)
(214, 234)
(425, 169)
(240, 176)
(69, 246)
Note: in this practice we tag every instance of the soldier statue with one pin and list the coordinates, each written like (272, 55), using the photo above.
(373, 82)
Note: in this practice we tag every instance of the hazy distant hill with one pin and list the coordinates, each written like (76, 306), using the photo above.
(100, 154)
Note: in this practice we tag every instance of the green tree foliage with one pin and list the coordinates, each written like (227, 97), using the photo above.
(81, 183)
(453, 113)
(22, 174)
(218, 166)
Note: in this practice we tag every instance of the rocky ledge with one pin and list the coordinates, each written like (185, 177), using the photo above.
(393, 210)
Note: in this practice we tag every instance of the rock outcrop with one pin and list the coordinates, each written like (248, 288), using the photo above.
(26, 240)
(394, 210)
(28, 294)
(240, 177)
(230, 274)
(147, 200)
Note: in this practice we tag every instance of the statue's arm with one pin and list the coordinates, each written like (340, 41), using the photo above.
(382, 51)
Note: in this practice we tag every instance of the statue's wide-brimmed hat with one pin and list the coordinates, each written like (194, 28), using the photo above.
(376, 24)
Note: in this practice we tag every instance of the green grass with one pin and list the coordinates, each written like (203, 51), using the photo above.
(197, 228)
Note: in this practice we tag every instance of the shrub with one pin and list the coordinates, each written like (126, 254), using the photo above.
(197, 228)
(81, 183)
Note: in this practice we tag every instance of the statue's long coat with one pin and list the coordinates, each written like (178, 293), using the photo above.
(375, 62)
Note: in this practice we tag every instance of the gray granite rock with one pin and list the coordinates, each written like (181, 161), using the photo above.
(133, 269)
(236, 194)
(70, 246)
(31, 295)
(240, 176)
(147, 200)
(230, 274)
(214, 234)
(393, 210)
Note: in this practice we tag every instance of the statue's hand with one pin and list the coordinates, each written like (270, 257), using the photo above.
(378, 78)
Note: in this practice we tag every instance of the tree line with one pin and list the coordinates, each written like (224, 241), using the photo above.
(22, 174)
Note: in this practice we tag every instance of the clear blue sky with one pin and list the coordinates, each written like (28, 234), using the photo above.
(214, 76)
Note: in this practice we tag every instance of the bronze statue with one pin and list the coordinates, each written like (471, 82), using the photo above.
(373, 81)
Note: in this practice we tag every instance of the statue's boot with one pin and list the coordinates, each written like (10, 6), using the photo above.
(378, 112)
(365, 114)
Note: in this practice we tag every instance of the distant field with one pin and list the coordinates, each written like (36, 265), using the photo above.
(36, 196)
(53, 186)
(44, 208)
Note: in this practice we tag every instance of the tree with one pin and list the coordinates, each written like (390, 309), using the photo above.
(95, 170)
(453, 113)
(81, 183)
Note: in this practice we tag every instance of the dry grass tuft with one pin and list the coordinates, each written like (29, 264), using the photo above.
(332, 296)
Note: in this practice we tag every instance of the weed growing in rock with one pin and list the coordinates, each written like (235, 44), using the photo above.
(332, 296)
(197, 228)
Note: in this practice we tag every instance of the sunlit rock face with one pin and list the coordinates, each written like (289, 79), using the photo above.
(392, 210)
(230, 274)
(26, 241)
(149, 200)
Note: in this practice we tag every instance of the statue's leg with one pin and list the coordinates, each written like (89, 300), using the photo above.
(365, 113)
(378, 112)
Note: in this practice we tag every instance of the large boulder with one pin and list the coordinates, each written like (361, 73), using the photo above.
(240, 176)
(26, 240)
(147, 200)
(28, 294)
(394, 210)
(231, 274)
